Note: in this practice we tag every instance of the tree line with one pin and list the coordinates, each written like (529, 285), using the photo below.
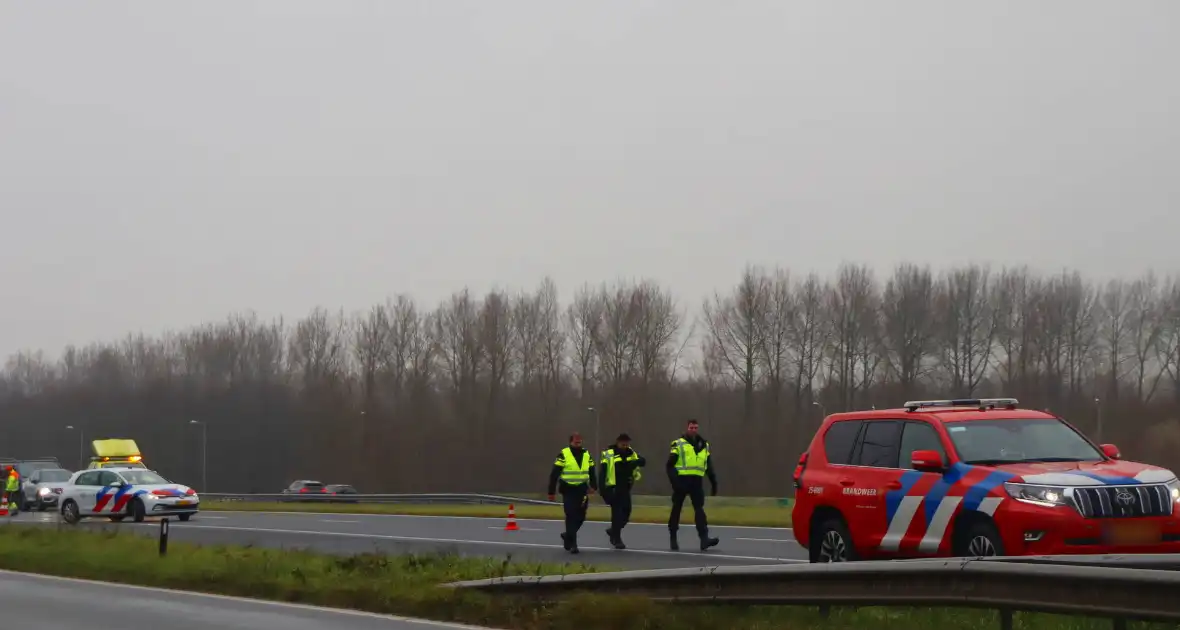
(480, 392)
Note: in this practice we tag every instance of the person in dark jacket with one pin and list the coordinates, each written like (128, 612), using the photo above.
(617, 473)
(574, 471)
(688, 464)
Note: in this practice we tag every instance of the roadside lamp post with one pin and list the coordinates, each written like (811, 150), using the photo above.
(597, 444)
(204, 454)
(81, 445)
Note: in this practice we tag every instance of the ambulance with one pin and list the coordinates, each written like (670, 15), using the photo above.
(116, 452)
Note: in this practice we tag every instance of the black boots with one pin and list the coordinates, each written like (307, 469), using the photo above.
(706, 542)
(569, 543)
(615, 539)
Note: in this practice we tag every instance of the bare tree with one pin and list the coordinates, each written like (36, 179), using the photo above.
(853, 303)
(810, 333)
(736, 327)
(1147, 320)
(778, 343)
(966, 327)
(908, 323)
(584, 321)
(372, 338)
(1113, 315)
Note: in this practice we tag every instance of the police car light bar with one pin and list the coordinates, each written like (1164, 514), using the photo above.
(983, 404)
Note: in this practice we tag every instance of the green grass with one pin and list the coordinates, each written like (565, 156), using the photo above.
(727, 511)
(408, 585)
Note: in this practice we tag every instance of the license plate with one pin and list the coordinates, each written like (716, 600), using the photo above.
(1133, 534)
(183, 503)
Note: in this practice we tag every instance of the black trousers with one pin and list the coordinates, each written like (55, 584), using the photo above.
(620, 508)
(694, 488)
(573, 500)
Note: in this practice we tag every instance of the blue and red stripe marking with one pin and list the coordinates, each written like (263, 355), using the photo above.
(977, 483)
(121, 498)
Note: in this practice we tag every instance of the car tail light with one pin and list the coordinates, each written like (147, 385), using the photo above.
(190, 492)
(798, 476)
(301, 490)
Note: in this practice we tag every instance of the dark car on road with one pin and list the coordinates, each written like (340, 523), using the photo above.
(340, 493)
(305, 490)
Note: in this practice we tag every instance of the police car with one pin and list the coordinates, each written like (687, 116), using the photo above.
(116, 452)
(975, 477)
(118, 493)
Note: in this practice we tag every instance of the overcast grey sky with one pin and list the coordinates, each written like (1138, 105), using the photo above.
(163, 164)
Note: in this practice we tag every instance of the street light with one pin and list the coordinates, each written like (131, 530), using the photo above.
(822, 409)
(594, 411)
(81, 447)
(204, 454)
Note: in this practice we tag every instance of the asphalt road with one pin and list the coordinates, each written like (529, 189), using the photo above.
(537, 540)
(49, 603)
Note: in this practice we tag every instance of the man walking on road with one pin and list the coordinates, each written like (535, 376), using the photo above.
(687, 466)
(574, 470)
(618, 471)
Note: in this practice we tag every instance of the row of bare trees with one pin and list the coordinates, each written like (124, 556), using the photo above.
(479, 393)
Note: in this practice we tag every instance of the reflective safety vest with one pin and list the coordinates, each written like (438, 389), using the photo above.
(13, 483)
(610, 458)
(574, 473)
(689, 461)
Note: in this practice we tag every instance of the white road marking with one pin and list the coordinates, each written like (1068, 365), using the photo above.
(492, 543)
(770, 540)
(263, 602)
(334, 520)
(486, 518)
(523, 529)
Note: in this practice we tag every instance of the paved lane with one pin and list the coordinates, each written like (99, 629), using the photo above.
(48, 603)
(538, 540)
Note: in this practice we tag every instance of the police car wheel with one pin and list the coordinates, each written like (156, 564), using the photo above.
(184, 517)
(69, 512)
(138, 511)
(831, 542)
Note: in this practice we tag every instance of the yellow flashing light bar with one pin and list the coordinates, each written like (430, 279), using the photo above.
(116, 448)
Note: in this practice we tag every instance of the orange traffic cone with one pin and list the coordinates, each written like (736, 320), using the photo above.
(4, 506)
(511, 526)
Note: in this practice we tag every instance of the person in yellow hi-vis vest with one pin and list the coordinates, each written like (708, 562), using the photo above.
(574, 470)
(12, 491)
(617, 473)
(688, 464)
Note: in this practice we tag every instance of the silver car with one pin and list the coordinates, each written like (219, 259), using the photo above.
(42, 488)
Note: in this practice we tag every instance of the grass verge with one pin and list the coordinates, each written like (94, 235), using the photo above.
(407, 585)
(772, 516)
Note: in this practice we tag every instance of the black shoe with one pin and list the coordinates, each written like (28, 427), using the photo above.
(565, 541)
(709, 542)
(675, 545)
(574, 545)
(619, 543)
(610, 534)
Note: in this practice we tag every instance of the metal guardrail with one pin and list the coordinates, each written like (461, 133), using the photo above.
(1007, 584)
(432, 499)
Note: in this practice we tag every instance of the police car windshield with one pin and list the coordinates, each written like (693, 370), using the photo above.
(1016, 441)
(142, 477)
